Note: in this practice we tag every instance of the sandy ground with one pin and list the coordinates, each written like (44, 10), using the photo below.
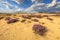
(23, 31)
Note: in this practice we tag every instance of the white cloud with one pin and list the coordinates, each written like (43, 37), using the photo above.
(49, 5)
(35, 7)
(57, 5)
(53, 6)
(37, 1)
(19, 1)
(38, 6)
(6, 6)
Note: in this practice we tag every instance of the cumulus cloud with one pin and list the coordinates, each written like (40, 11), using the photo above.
(19, 1)
(51, 7)
(5, 3)
(6, 6)
(37, 1)
(57, 5)
(52, 3)
(36, 7)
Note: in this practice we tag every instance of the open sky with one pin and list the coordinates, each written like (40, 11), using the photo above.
(29, 6)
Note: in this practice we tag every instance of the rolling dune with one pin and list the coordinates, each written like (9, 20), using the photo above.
(20, 26)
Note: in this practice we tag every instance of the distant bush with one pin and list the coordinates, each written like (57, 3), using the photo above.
(40, 12)
(52, 12)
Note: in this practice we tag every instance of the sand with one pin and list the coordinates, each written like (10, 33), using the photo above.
(24, 31)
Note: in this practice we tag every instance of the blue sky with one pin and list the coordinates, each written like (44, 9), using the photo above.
(29, 5)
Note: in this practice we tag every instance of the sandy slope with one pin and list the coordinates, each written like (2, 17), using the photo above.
(23, 31)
